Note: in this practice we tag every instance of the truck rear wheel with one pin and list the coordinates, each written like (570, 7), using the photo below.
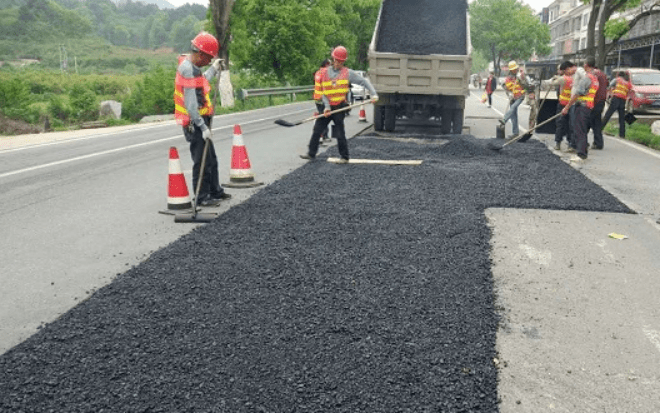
(390, 118)
(445, 121)
(378, 118)
(457, 121)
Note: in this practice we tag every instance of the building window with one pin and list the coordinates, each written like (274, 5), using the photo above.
(585, 19)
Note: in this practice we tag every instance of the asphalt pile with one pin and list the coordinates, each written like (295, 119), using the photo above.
(423, 27)
(339, 288)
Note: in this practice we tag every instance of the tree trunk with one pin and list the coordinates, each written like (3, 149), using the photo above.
(221, 11)
(591, 27)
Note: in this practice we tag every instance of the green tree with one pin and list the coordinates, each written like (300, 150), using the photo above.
(183, 32)
(602, 27)
(507, 29)
(287, 40)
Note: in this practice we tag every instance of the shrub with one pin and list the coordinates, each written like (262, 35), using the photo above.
(83, 103)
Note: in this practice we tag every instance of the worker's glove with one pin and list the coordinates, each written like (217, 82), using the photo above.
(206, 132)
(374, 99)
(217, 65)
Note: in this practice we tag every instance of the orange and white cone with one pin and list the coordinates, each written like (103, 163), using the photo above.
(240, 172)
(178, 197)
(363, 115)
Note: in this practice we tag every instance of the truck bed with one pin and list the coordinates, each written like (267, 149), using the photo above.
(423, 27)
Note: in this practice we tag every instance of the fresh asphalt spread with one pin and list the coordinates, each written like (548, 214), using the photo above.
(339, 288)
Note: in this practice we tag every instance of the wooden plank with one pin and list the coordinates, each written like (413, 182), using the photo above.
(379, 161)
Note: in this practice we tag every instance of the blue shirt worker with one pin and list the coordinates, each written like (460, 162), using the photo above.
(335, 82)
(193, 110)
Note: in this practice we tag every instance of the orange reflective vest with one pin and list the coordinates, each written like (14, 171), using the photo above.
(565, 95)
(335, 89)
(318, 90)
(203, 89)
(513, 85)
(622, 88)
(588, 99)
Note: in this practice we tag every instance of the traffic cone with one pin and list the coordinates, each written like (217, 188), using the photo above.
(363, 115)
(240, 172)
(178, 197)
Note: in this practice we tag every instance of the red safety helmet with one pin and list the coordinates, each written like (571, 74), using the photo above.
(340, 53)
(205, 42)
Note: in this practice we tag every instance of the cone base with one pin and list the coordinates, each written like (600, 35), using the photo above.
(242, 184)
(176, 211)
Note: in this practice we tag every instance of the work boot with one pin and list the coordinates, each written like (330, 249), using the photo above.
(208, 201)
(307, 156)
(557, 146)
(342, 161)
(222, 197)
(502, 122)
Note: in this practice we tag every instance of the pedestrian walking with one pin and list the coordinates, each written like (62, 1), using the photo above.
(599, 104)
(620, 91)
(334, 90)
(318, 93)
(193, 110)
(491, 85)
(515, 85)
(583, 93)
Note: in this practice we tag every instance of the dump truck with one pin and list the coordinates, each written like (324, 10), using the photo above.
(420, 62)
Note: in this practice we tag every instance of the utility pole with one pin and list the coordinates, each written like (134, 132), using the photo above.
(63, 59)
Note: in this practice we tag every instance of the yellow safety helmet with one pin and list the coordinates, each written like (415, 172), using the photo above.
(513, 65)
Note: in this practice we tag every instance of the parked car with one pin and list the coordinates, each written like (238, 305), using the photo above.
(358, 92)
(645, 96)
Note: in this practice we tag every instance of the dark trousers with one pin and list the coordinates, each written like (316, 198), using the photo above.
(563, 127)
(211, 180)
(581, 123)
(596, 123)
(322, 123)
(490, 99)
(618, 105)
(320, 107)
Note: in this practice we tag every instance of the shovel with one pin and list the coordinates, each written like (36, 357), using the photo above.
(496, 147)
(283, 122)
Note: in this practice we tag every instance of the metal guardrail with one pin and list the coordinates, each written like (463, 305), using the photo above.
(243, 94)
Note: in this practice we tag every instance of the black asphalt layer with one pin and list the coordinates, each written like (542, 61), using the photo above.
(423, 27)
(339, 288)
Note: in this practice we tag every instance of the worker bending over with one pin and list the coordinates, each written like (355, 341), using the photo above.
(334, 89)
(193, 110)
(585, 85)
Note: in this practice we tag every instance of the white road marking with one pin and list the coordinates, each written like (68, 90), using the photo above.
(93, 155)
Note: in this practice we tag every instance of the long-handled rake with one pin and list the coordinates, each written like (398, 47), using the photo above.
(283, 122)
(497, 147)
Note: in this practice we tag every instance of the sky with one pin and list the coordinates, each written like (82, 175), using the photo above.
(536, 5)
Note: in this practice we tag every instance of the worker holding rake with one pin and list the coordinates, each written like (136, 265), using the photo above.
(334, 89)
(193, 110)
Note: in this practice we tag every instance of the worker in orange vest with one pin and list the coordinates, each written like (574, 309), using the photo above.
(334, 89)
(565, 85)
(583, 94)
(193, 110)
(620, 91)
(515, 85)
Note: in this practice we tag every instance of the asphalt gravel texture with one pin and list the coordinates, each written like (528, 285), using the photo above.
(423, 27)
(339, 288)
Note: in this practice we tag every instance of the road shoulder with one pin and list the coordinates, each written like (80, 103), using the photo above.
(580, 329)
